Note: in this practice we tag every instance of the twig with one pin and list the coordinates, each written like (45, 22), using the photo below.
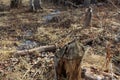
(113, 4)
(30, 69)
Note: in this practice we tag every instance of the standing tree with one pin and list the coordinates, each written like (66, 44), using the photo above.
(35, 5)
(15, 3)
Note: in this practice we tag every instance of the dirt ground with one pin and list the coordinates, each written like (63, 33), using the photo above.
(21, 30)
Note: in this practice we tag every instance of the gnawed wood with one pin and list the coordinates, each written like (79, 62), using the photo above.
(68, 61)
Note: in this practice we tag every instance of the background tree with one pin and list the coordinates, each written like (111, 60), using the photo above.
(87, 3)
(15, 3)
(35, 5)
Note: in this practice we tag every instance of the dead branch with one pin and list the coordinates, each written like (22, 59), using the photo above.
(39, 49)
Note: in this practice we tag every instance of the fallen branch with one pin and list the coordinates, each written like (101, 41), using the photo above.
(39, 49)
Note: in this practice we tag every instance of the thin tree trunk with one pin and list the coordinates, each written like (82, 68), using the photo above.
(35, 5)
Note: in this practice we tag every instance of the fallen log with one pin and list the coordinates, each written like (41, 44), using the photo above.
(48, 48)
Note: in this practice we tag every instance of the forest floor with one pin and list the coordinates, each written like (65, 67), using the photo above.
(24, 30)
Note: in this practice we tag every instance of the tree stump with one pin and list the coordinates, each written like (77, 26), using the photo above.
(88, 17)
(68, 61)
(15, 3)
(35, 5)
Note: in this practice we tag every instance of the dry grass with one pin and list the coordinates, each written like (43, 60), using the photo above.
(94, 60)
(15, 23)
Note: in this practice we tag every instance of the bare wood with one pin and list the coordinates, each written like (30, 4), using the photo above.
(40, 49)
(68, 61)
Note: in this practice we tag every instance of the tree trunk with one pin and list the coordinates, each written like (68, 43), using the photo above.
(68, 62)
(15, 3)
(35, 5)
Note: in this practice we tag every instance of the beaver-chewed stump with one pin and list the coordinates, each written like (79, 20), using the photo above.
(68, 61)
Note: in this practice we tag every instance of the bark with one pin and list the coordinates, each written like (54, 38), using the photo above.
(68, 62)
